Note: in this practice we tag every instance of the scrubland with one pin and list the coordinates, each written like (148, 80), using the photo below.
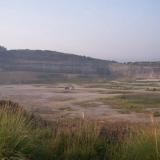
(56, 130)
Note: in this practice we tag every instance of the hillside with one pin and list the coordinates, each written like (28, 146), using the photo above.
(50, 61)
(39, 66)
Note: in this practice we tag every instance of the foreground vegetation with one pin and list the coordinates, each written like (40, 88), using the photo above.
(26, 137)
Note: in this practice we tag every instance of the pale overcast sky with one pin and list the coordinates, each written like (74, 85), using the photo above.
(123, 30)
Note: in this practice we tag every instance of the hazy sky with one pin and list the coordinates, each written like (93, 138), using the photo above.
(124, 30)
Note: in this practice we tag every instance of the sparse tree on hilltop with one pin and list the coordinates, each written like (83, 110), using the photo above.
(3, 49)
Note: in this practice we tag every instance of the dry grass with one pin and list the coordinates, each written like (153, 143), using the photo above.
(74, 139)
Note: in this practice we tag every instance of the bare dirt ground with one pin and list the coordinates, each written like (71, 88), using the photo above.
(52, 102)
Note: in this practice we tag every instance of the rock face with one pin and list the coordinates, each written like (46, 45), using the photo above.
(145, 70)
(41, 63)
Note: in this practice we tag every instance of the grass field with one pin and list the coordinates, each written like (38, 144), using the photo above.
(24, 137)
(134, 102)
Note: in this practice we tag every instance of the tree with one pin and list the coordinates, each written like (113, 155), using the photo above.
(3, 49)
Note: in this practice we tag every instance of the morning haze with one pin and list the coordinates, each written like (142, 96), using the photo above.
(79, 80)
(123, 30)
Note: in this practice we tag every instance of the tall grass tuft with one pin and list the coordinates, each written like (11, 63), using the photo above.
(21, 137)
(79, 139)
(15, 133)
(144, 145)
